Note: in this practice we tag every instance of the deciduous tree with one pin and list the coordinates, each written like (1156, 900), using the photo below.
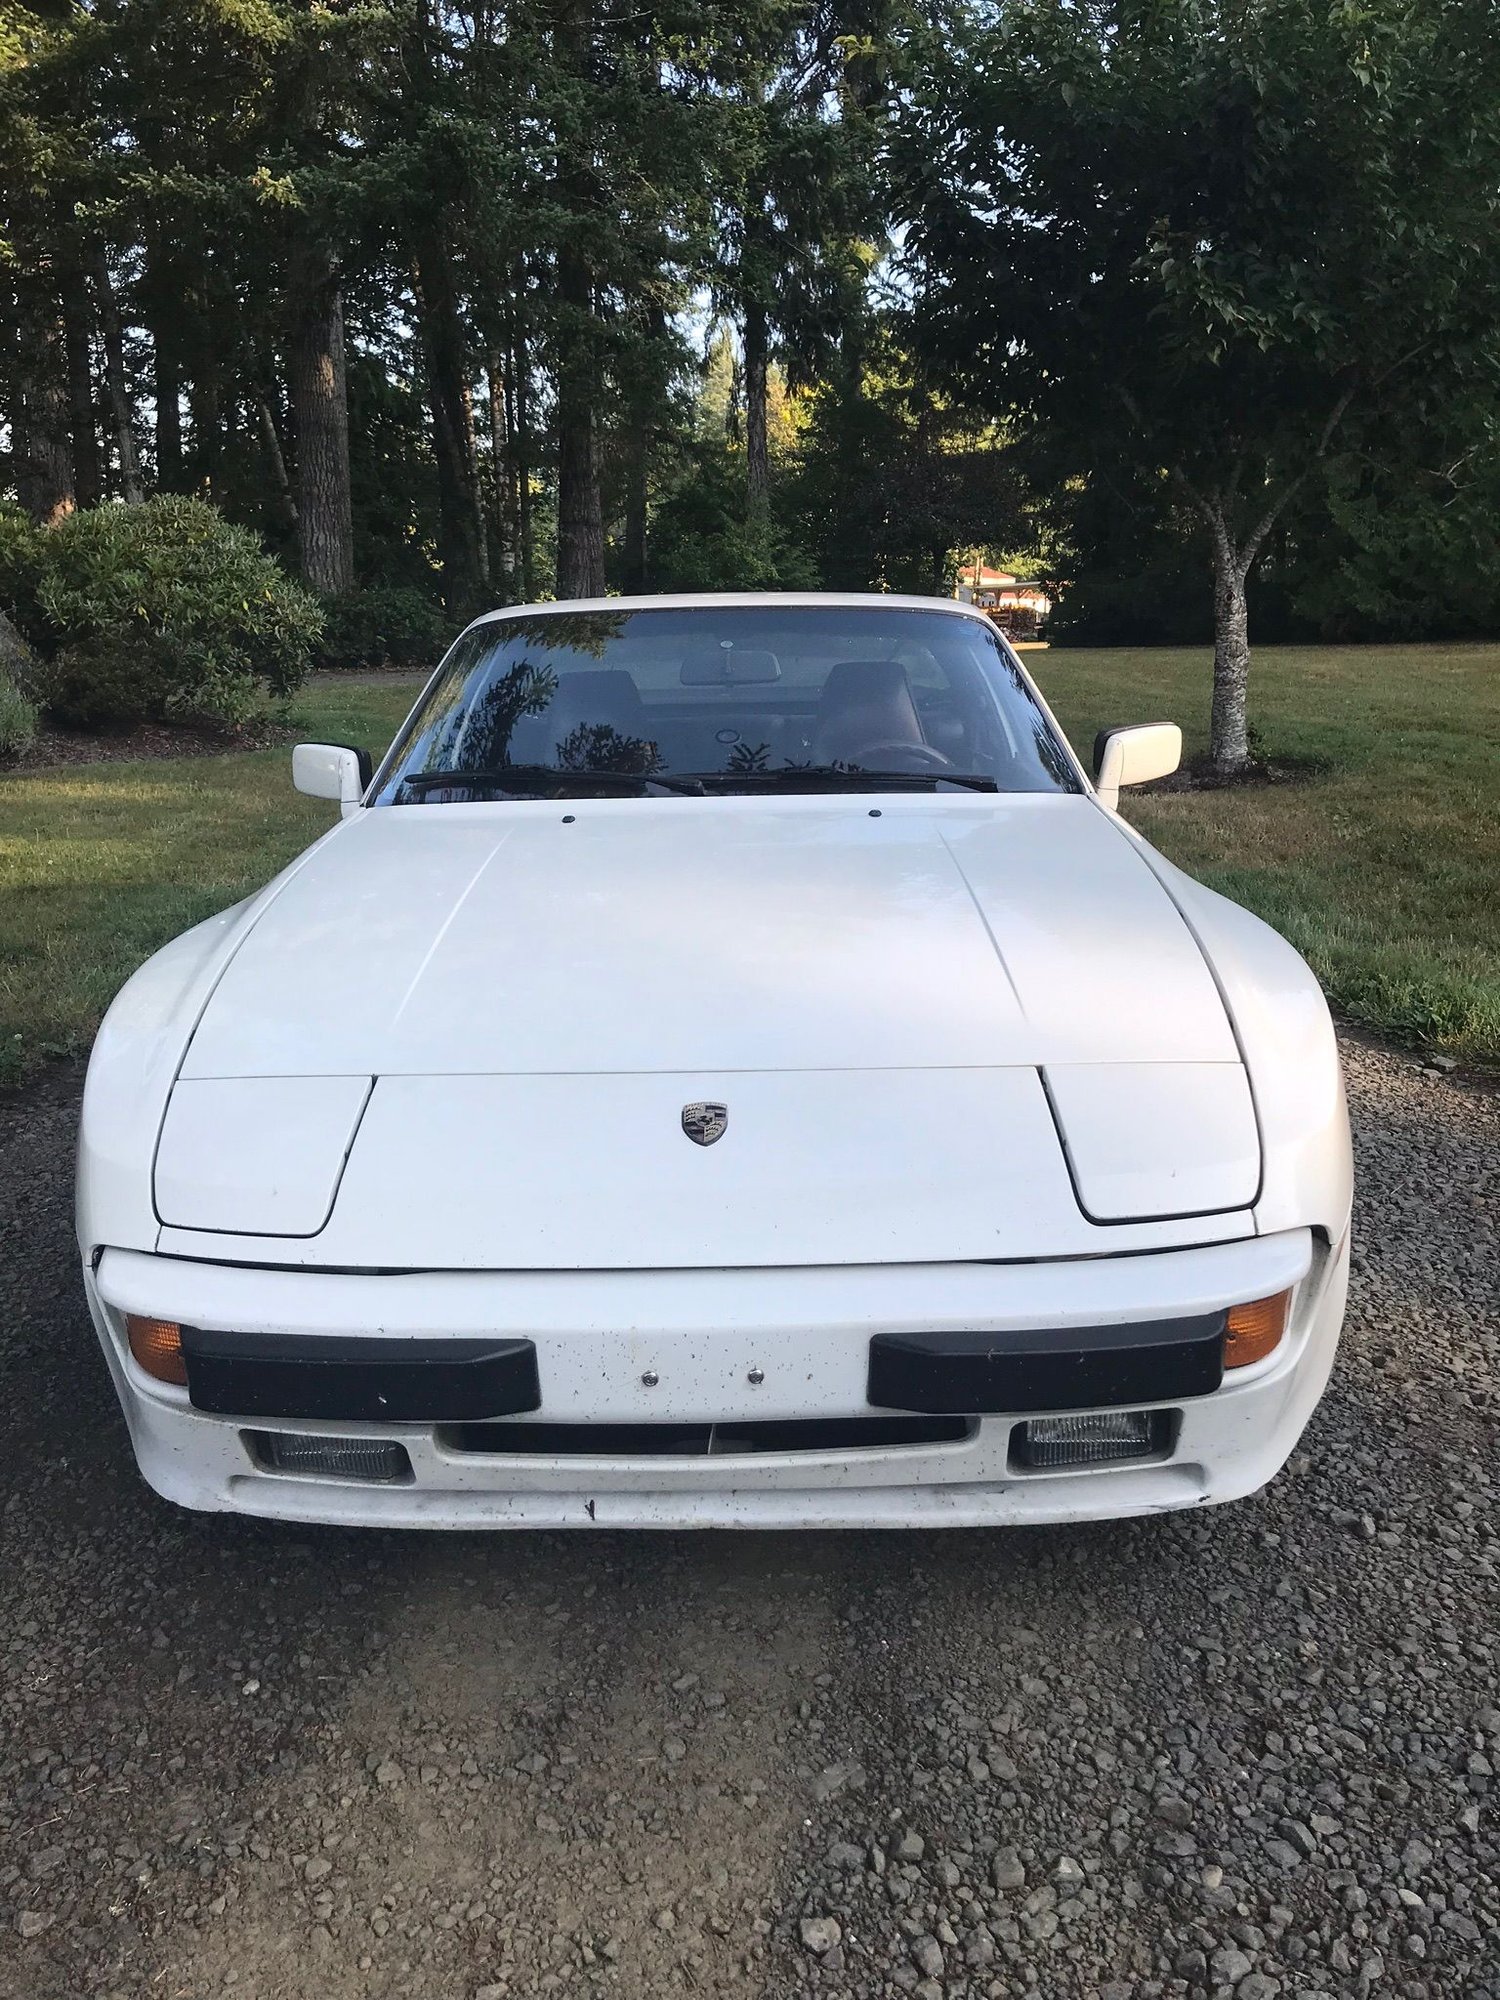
(1210, 235)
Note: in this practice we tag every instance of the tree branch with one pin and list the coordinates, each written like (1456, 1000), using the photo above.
(1251, 546)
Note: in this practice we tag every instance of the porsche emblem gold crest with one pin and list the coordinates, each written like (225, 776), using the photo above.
(704, 1123)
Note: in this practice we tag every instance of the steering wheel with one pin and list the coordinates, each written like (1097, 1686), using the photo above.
(924, 756)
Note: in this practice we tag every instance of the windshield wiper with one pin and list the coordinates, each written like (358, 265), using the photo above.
(546, 781)
(833, 778)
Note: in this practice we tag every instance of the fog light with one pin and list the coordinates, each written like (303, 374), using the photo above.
(1055, 1442)
(369, 1459)
(157, 1347)
(1255, 1330)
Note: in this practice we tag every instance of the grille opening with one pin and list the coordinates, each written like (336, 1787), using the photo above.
(701, 1440)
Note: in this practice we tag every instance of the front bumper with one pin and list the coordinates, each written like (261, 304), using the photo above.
(723, 1348)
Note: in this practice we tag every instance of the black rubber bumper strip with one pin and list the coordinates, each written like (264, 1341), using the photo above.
(354, 1380)
(1077, 1368)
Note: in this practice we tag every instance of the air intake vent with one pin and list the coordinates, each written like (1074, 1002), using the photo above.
(702, 1440)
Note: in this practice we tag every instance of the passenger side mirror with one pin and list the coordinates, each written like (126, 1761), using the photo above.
(1134, 756)
(332, 771)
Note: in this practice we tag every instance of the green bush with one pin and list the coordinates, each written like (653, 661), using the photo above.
(20, 569)
(17, 721)
(383, 625)
(166, 612)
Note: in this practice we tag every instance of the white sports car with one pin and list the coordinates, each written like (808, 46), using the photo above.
(729, 1066)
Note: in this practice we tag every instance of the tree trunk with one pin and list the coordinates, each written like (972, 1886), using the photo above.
(1229, 734)
(167, 383)
(43, 458)
(115, 378)
(465, 557)
(757, 450)
(580, 513)
(325, 512)
(78, 320)
(205, 410)
(163, 300)
(520, 430)
(499, 481)
(637, 470)
(270, 435)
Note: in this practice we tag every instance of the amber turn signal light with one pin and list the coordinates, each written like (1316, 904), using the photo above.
(157, 1346)
(1255, 1329)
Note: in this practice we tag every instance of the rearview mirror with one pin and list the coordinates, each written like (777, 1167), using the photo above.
(332, 771)
(1134, 756)
(738, 666)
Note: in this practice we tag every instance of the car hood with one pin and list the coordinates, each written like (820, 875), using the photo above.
(465, 1038)
(632, 936)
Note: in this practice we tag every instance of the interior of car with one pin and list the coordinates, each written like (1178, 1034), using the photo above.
(914, 695)
(866, 713)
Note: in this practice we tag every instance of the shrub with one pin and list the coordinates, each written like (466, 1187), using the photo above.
(17, 721)
(20, 569)
(167, 612)
(383, 625)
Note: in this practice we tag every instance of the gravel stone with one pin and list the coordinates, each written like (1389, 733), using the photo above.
(1229, 1965)
(1007, 1870)
(820, 1934)
(927, 1956)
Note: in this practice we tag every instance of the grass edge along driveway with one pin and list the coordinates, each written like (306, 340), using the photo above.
(1381, 864)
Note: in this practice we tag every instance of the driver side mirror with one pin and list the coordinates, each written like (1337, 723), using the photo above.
(1134, 756)
(332, 771)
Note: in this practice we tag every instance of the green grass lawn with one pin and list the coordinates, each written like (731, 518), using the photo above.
(101, 863)
(1384, 868)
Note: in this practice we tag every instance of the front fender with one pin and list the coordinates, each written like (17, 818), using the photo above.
(134, 1064)
(1285, 1032)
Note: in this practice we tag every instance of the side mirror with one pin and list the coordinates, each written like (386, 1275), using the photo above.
(1134, 756)
(332, 771)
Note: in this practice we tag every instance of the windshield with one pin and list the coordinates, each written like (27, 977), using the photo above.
(739, 699)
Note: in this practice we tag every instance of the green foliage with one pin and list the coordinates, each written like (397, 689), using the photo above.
(892, 477)
(383, 625)
(17, 721)
(1394, 537)
(167, 612)
(704, 538)
(1223, 241)
(20, 569)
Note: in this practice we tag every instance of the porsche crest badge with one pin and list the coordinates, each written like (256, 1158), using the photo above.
(704, 1123)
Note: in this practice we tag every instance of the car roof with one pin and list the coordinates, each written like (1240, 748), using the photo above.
(711, 600)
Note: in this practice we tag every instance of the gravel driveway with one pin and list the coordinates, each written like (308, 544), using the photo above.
(1248, 1752)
